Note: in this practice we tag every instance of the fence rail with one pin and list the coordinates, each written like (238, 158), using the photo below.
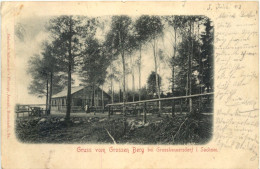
(64, 108)
(143, 105)
(75, 109)
(162, 99)
(30, 109)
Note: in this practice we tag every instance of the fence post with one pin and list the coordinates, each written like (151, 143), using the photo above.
(158, 107)
(138, 110)
(200, 102)
(144, 115)
(109, 112)
(134, 112)
(173, 108)
(190, 105)
(181, 106)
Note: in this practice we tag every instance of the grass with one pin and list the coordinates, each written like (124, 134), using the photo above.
(182, 129)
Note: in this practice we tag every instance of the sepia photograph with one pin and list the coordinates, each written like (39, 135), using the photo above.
(130, 85)
(116, 79)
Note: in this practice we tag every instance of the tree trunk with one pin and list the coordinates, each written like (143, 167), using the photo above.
(200, 72)
(124, 94)
(119, 91)
(95, 99)
(139, 66)
(85, 97)
(187, 84)
(174, 54)
(133, 79)
(69, 95)
(190, 67)
(69, 76)
(156, 75)
(93, 96)
(49, 111)
(120, 95)
(112, 91)
(133, 87)
(126, 83)
(47, 95)
(103, 105)
(112, 85)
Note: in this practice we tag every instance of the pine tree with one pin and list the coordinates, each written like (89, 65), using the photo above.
(68, 33)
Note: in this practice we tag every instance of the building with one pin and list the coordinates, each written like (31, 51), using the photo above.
(81, 96)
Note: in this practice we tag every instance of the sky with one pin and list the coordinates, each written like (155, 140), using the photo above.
(31, 32)
(29, 43)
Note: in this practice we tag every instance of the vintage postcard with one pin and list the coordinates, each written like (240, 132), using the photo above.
(130, 85)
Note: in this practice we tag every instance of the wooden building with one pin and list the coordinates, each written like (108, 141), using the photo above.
(81, 96)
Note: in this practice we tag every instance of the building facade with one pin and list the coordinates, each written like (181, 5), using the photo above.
(80, 97)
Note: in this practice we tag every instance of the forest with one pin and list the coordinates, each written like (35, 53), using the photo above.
(107, 52)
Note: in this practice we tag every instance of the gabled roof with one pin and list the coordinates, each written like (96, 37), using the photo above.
(75, 89)
(63, 93)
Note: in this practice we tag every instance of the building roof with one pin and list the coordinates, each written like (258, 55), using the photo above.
(75, 89)
(63, 93)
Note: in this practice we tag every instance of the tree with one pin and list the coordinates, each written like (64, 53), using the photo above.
(119, 38)
(52, 69)
(154, 28)
(45, 72)
(113, 76)
(152, 83)
(181, 66)
(188, 34)
(194, 55)
(175, 23)
(207, 72)
(132, 63)
(94, 65)
(67, 32)
(39, 73)
(142, 35)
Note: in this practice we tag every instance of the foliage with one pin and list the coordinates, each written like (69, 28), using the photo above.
(149, 27)
(68, 33)
(151, 83)
(95, 63)
(39, 73)
(120, 35)
(207, 54)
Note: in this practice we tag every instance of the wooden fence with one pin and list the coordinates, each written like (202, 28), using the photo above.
(201, 102)
(30, 110)
(73, 109)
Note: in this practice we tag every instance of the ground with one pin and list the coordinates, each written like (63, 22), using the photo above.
(99, 129)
